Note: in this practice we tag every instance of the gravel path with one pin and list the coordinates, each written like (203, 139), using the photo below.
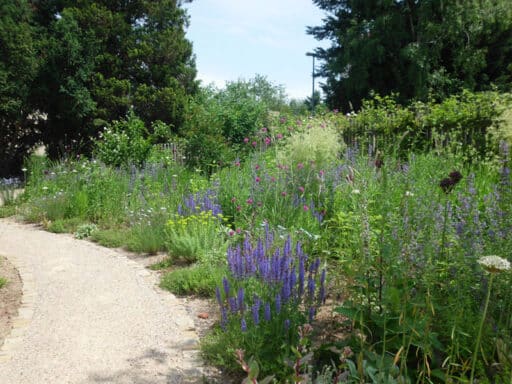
(91, 315)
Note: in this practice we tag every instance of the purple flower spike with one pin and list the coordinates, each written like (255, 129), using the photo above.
(240, 299)
(278, 303)
(287, 324)
(223, 318)
(256, 314)
(243, 325)
(218, 295)
(225, 283)
(301, 277)
(232, 305)
(311, 288)
(312, 313)
(267, 314)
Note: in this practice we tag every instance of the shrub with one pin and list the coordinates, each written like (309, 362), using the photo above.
(123, 142)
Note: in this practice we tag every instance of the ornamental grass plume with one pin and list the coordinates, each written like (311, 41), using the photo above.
(492, 264)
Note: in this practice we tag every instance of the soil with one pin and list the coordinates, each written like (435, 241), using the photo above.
(10, 297)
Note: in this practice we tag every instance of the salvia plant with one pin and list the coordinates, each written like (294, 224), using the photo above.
(271, 289)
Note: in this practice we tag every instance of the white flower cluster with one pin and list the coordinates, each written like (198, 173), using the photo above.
(494, 263)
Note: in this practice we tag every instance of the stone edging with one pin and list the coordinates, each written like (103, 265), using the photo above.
(25, 311)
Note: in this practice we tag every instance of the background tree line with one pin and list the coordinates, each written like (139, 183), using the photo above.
(418, 49)
(67, 68)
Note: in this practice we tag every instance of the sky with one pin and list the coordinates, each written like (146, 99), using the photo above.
(237, 39)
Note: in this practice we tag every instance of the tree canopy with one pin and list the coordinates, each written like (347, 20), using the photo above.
(416, 48)
(81, 64)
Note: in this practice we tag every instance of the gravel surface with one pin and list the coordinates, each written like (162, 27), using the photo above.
(10, 297)
(94, 317)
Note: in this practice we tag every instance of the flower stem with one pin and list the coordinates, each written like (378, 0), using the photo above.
(479, 336)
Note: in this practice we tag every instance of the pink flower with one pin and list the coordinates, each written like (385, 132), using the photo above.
(238, 230)
(301, 189)
(246, 140)
(257, 179)
(238, 208)
(256, 167)
(237, 163)
(264, 129)
(233, 199)
(300, 166)
(273, 179)
(231, 233)
(322, 172)
(249, 201)
(254, 143)
(306, 208)
(279, 136)
(267, 140)
(283, 193)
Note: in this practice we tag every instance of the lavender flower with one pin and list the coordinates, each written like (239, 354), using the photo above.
(243, 325)
(256, 313)
(311, 314)
(267, 314)
(225, 283)
(232, 305)
(311, 288)
(223, 317)
(240, 299)
(278, 303)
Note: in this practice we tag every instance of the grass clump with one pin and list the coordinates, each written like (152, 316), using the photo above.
(70, 225)
(3, 282)
(197, 280)
(110, 238)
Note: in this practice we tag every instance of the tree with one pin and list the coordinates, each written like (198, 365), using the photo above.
(416, 48)
(103, 57)
(19, 64)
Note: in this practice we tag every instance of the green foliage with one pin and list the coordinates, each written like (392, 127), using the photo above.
(147, 235)
(85, 231)
(90, 63)
(123, 142)
(19, 64)
(413, 48)
(110, 238)
(69, 225)
(318, 143)
(218, 121)
(197, 237)
(3, 282)
(401, 252)
(198, 279)
(466, 125)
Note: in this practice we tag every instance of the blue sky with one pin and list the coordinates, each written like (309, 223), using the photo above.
(236, 39)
